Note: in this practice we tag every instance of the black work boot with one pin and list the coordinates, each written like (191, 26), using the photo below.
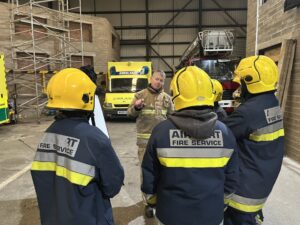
(149, 211)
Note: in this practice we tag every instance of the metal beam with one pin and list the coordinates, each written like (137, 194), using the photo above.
(228, 15)
(144, 41)
(177, 26)
(200, 15)
(167, 64)
(148, 52)
(165, 11)
(172, 19)
(152, 57)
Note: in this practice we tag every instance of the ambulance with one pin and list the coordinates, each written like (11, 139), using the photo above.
(123, 80)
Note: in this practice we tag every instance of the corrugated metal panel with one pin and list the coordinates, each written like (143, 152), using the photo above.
(114, 19)
(134, 19)
(132, 34)
(133, 4)
(219, 18)
(133, 51)
(239, 49)
(104, 5)
(160, 4)
(169, 35)
(225, 3)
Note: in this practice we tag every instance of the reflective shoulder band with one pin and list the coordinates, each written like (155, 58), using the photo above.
(246, 204)
(268, 133)
(194, 157)
(76, 172)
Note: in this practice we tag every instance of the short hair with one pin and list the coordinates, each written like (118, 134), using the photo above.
(162, 73)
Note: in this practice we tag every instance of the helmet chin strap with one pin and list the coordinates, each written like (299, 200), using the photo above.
(245, 94)
(92, 116)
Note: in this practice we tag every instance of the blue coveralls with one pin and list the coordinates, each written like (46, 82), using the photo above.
(258, 127)
(75, 173)
(190, 177)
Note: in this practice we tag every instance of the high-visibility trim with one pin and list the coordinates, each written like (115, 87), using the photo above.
(148, 112)
(268, 133)
(269, 129)
(246, 204)
(76, 172)
(143, 135)
(227, 198)
(194, 152)
(164, 111)
(194, 162)
(153, 111)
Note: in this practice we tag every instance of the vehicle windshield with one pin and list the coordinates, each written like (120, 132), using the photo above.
(221, 70)
(125, 85)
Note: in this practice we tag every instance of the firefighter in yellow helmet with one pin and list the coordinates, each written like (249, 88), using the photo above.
(190, 163)
(258, 128)
(75, 170)
(218, 92)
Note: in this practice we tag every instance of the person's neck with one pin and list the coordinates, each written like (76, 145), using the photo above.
(154, 89)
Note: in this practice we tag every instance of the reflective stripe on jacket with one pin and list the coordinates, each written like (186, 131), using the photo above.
(258, 127)
(191, 178)
(75, 172)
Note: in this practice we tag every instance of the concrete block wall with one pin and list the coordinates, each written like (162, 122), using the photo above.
(274, 26)
(101, 47)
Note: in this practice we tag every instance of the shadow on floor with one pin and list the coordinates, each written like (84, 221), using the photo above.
(30, 212)
(124, 215)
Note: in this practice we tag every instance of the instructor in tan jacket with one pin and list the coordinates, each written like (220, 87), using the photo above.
(150, 106)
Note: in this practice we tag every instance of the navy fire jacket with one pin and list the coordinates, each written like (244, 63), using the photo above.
(258, 127)
(75, 173)
(190, 177)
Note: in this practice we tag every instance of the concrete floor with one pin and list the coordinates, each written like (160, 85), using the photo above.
(18, 204)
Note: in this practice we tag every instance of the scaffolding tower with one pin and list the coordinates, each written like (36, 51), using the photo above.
(46, 36)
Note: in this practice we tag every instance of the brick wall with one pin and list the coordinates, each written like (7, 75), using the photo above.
(275, 25)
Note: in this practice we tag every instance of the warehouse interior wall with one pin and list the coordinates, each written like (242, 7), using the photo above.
(137, 21)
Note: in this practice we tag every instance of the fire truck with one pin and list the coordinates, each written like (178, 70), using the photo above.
(212, 51)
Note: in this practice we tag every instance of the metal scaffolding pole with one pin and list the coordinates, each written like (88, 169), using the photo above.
(42, 42)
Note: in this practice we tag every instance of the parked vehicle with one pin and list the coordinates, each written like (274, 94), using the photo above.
(123, 79)
(212, 51)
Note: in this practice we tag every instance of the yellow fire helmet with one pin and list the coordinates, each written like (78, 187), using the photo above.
(71, 89)
(217, 90)
(260, 73)
(191, 86)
